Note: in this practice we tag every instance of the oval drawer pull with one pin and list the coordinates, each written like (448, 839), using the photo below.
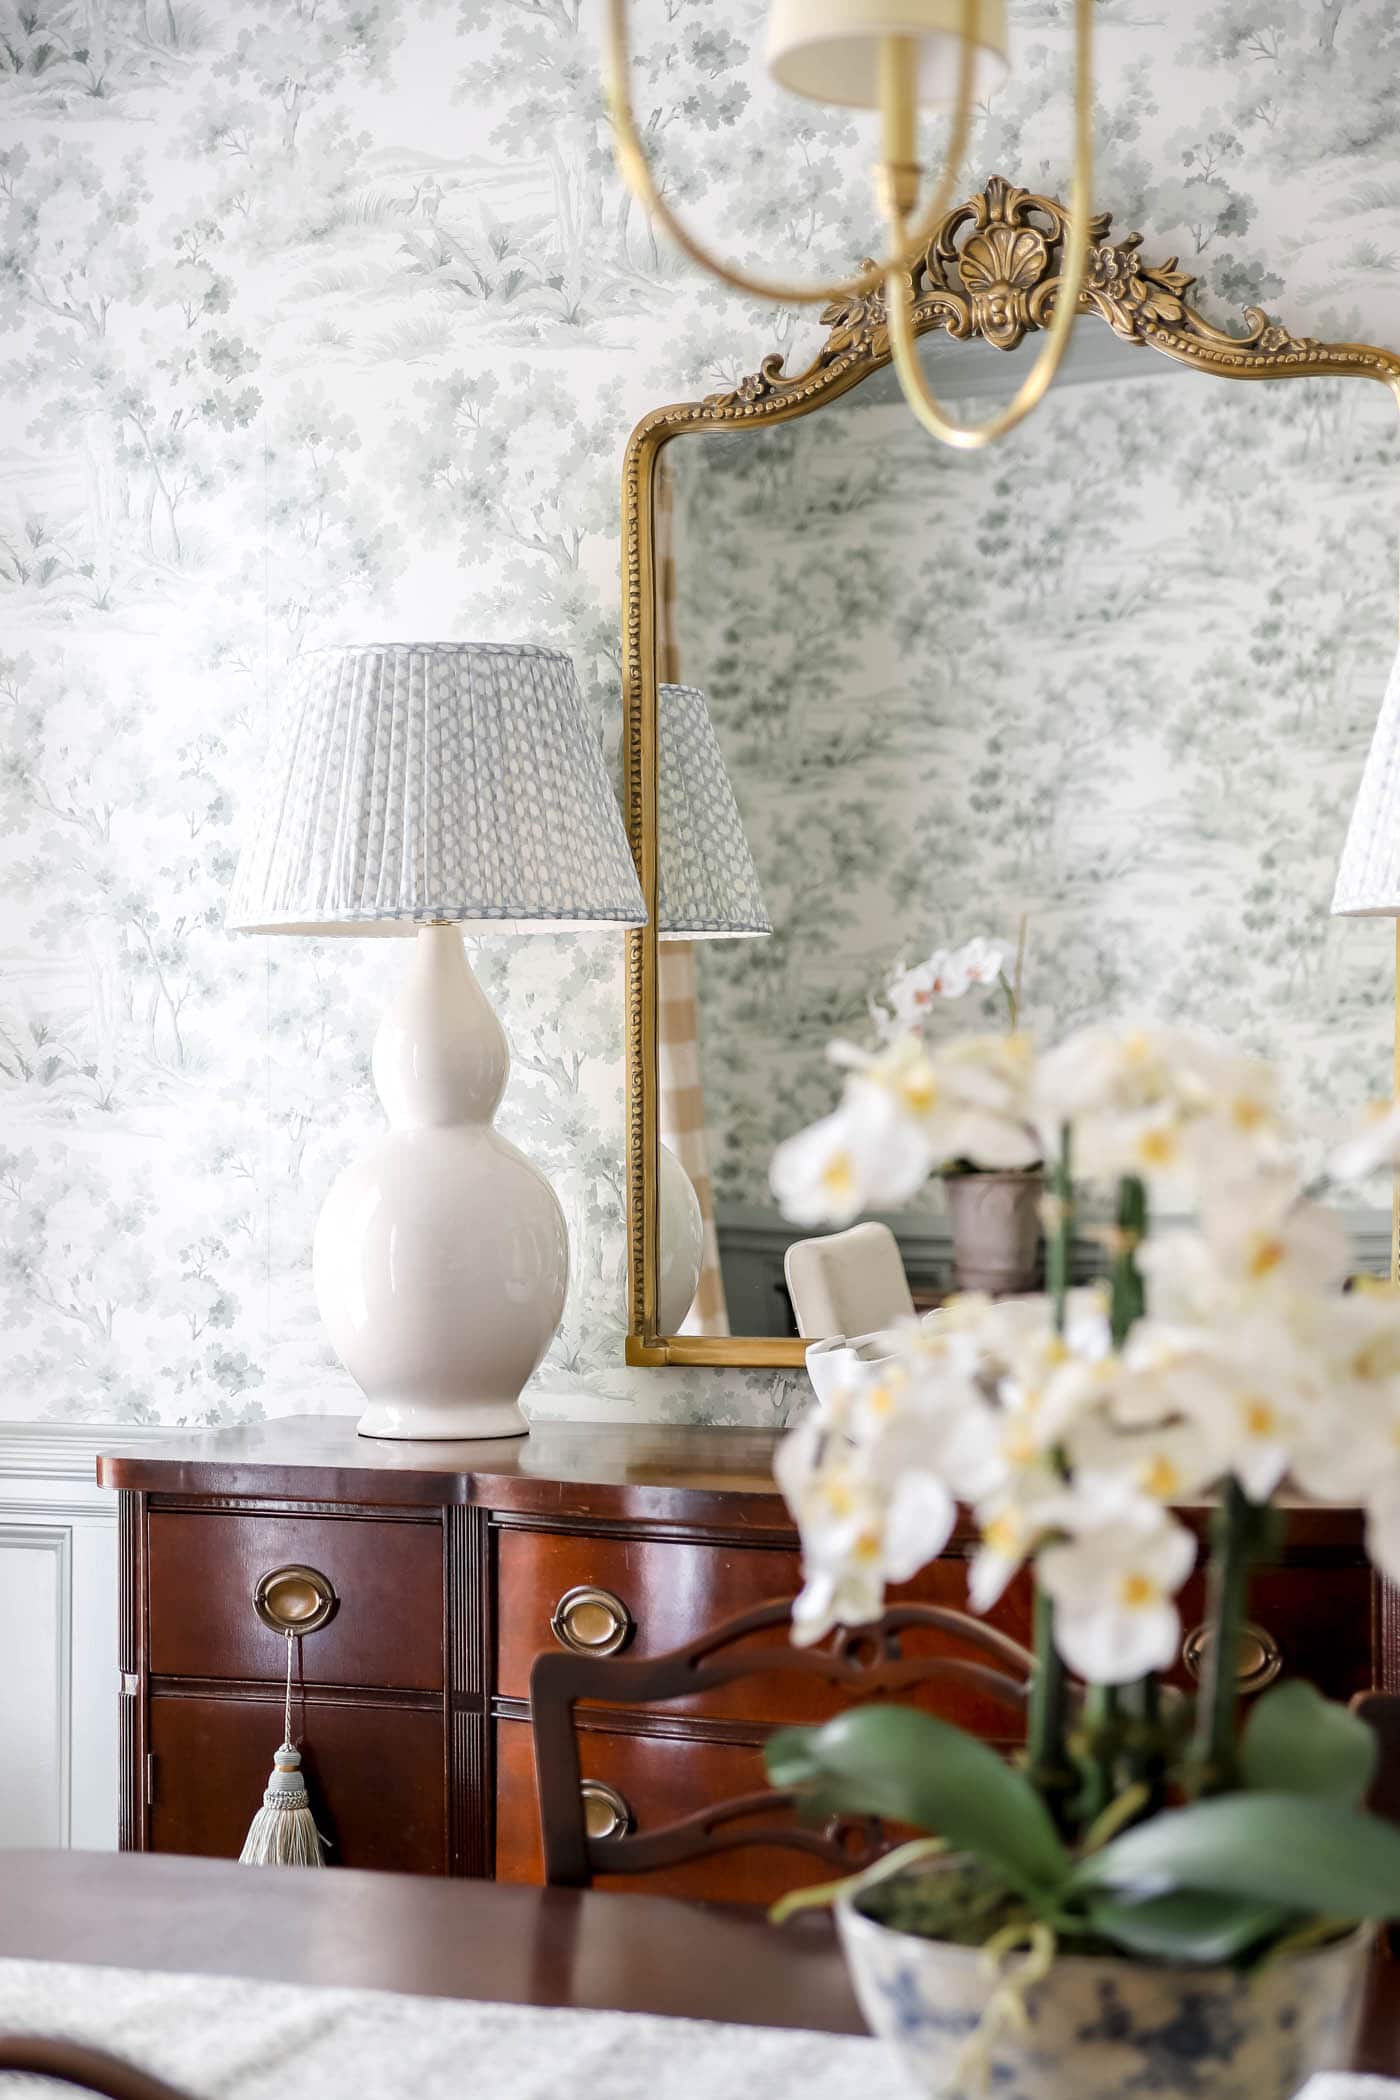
(294, 1599)
(1260, 1657)
(605, 1813)
(591, 1621)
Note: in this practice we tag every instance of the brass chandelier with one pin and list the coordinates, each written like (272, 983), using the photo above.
(890, 55)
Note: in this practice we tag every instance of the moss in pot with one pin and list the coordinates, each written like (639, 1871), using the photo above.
(1156, 1898)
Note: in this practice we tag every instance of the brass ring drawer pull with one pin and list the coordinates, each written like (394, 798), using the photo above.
(605, 1813)
(294, 1599)
(1260, 1657)
(591, 1621)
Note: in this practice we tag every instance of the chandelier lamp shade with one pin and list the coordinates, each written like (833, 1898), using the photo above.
(1368, 879)
(890, 56)
(829, 50)
(417, 789)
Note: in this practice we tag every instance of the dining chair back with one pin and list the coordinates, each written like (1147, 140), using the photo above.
(867, 1662)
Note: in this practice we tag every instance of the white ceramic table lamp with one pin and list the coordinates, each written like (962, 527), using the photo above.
(1368, 880)
(417, 789)
(707, 889)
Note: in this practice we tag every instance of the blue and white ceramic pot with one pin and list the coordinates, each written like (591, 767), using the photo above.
(1102, 2028)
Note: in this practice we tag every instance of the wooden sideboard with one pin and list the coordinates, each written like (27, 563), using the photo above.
(453, 1565)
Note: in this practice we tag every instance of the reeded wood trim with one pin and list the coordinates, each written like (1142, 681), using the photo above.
(469, 1603)
(131, 1663)
(1011, 241)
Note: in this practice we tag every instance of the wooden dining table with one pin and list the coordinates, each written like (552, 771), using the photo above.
(471, 1940)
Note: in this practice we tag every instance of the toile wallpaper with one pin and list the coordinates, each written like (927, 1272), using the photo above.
(1118, 678)
(326, 320)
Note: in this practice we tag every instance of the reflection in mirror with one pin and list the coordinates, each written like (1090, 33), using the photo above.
(1116, 676)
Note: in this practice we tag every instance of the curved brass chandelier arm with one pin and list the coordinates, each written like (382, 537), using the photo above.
(899, 177)
(899, 291)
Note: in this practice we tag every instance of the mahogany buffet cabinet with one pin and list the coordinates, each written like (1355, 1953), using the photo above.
(429, 1576)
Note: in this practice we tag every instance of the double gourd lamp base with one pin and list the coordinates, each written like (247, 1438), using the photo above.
(415, 789)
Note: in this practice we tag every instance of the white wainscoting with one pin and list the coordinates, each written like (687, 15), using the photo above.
(59, 1683)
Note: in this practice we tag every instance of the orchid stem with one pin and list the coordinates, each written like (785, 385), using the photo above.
(1059, 1240)
(1103, 1739)
(1050, 1767)
(1238, 1534)
(1127, 1299)
(1147, 1754)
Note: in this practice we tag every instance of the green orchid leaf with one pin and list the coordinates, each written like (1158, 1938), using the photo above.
(1297, 1742)
(894, 1762)
(1303, 1852)
(1190, 1925)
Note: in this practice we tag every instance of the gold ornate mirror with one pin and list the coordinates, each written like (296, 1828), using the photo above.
(1118, 673)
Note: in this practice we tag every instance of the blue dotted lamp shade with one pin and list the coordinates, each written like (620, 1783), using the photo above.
(1368, 881)
(707, 884)
(434, 780)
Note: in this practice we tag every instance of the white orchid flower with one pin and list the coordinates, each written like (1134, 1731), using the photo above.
(1114, 1582)
(911, 992)
(1369, 1145)
(860, 1531)
(979, 961)
(966, 1097)
(869, 1154)
(1160, 1101)
(1166, 1461)
(1263, 1235)
(1012, 1525)
(1350, 1439)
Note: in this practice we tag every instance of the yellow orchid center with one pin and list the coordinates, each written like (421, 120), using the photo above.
(918, 1090)
(867, 1547)
(880, 1398)
(1137, 1047)
(1380, 1358)
(1057, 1350)
(838, 1176)
(1002, 1535)
(1020, 1448)
(1247, 1112)
(1137, 1591)
(1158, 1148)
(1162, 1479)
(1260, 1419)
(1269, 1250)
(839, 1499)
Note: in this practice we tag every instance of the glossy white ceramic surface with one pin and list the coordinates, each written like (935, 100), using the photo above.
(682, 1235)
(441, 1258)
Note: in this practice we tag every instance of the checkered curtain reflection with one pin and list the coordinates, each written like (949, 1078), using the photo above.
(682, 1103)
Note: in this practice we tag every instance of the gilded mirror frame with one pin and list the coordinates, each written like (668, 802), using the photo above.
(991, 270)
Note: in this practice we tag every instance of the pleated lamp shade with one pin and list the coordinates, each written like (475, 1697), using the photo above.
(707, 884)
(1368, 881)
(829, 50)
(431, 781)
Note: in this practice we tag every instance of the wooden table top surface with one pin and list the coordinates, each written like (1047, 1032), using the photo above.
(462, 1939)
(635, 1469)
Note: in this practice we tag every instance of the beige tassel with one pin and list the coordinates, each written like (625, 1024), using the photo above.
(283, 1833)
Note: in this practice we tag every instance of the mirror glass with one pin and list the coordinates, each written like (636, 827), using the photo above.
(1115, 676)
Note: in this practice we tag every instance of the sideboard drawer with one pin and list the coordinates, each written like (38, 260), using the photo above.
(375, 1774)
(661, 1779)
(385, 1630)
(667, 1591)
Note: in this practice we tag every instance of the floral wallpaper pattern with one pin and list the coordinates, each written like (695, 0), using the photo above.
(1118, 676)
(326, 320)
